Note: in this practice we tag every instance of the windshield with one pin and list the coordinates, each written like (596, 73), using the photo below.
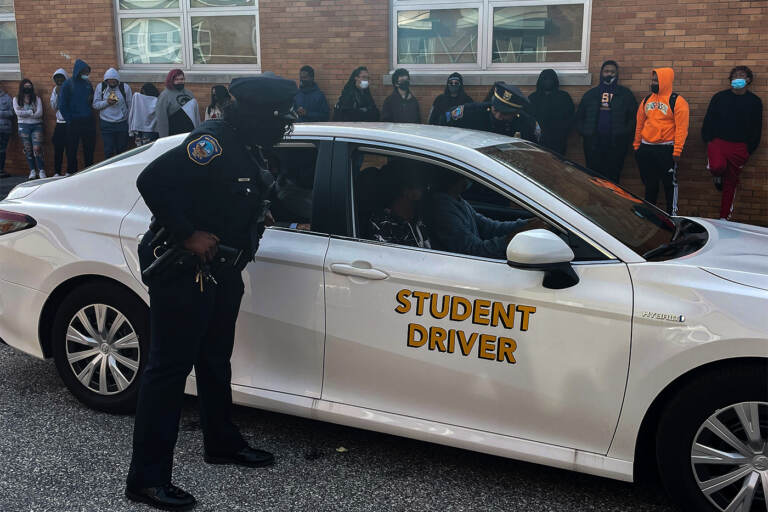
(639, 225)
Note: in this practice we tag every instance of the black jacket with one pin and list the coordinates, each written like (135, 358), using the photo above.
(355, 105)
(477, 116)
(554, 112)
(445, 102)
(623, 112)
(211, 182)
(398, 110)
(734, 118)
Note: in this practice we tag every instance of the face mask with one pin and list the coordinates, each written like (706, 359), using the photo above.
(404, 85)
(454, 89)
(655, 89)
(608, 80)
(27, 89)
(364, 84)
(306, 83)
(548, 85)
(84, 77)
(178, 87)
(738, 83)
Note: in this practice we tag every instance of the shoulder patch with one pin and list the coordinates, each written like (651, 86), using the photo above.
(204, 149)
(457, 113)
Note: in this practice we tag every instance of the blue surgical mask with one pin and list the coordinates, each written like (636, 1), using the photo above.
(738, 83)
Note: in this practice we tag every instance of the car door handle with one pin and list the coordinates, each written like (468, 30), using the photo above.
(366, 273)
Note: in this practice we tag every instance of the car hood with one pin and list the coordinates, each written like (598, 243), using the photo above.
(736, 252)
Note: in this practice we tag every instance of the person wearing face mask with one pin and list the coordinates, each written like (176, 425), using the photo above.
(401, 106)
(310, 103)
(29, 111)
(75, 107)
(60, 132)
(732, 129)
(553, 109)
(208, 196)
(660, 134)
(177, 109)
(453, 96)
(606, 120)
(219, 98)
(112, 99)
(356, 102)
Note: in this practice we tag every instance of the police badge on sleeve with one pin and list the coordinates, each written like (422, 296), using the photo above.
(204, 149)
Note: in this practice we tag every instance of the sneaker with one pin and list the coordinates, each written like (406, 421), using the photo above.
(67, 174)
(718, 183)
(32, 175)
(56, 175)
(42, 174)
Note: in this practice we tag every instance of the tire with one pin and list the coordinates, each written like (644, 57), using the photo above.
(719, 395)
(116, 352)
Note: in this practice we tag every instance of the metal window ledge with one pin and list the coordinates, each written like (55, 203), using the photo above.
(192, 77)
(10, 75)
(566, 77)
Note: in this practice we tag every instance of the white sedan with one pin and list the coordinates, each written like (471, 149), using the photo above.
(615, 338)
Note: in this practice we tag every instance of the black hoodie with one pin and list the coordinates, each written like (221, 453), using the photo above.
(445, 102)
(554, 111)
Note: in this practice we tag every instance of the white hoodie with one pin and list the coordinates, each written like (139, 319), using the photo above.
(119, 111)
(55, 97)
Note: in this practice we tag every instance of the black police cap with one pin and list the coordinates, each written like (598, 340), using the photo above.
(508, 98)
(269, 93)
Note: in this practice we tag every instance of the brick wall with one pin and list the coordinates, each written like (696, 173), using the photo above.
(700, 39)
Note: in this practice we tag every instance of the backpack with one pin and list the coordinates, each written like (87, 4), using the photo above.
(121, 88)
(672, 100)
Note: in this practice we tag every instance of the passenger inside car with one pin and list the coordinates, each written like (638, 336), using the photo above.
(402, 186)
(455, 226)
(294, 170)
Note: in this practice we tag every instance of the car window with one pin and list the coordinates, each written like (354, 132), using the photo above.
(293, 166)
(415, 202)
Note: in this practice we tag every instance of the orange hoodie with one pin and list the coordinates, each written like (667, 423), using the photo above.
(656, 123)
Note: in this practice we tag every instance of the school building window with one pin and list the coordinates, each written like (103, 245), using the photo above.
(492, 35)
(188, 34)
(9, 46)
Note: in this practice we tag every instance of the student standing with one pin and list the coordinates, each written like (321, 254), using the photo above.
(112, 100)
(177, 109)
(310, 103)
(75, 108)
(401, 106)
(6, 127)
(732, 129)
(142, 122)
(553, 109)
(29, 110)
(219, 99)
(60, 132)
(453, 96)
(356, 102)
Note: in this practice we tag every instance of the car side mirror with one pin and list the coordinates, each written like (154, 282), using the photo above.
(540, 249)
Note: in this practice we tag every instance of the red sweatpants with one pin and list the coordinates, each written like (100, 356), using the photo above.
(726, 159)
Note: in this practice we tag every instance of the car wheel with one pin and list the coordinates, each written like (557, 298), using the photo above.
(100, 344)
(712, 442)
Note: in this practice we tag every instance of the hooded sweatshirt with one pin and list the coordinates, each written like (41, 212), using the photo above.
(118, 112)
(6, 112)
(173, 105)
(445, 102)
(313, 101)
(656, 123)
(55, 97)
(76, 95)
(554, 110)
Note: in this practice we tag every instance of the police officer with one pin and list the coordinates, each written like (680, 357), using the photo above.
(507, 113)
(207, 195)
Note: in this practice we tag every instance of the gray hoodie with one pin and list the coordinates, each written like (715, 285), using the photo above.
(6, 112)
(119, 111)
(55, 96)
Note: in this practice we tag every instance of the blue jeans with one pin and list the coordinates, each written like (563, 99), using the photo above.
(31, 136)
(115, 137)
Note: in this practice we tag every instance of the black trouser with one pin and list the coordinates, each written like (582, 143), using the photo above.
(657, 165)
(59, 146)
(605, 154)
(78, 129)
(188, 328)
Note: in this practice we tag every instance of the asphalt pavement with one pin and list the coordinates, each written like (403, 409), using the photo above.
(57, 455)
(8, 182)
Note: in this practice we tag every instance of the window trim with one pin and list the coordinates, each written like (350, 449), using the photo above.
(471, 172)
(10, 66)
(185, 13)
(484, 62)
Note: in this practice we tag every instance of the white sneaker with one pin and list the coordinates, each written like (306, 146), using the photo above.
(56, 175)
(32, 175)
(66, 174)
(42, 174)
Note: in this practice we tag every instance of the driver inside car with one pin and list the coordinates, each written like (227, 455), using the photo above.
(456, 227)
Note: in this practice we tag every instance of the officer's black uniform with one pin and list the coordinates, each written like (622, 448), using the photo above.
(506, 99)
(212, 182)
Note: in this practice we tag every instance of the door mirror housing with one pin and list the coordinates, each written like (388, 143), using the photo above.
(540, 249)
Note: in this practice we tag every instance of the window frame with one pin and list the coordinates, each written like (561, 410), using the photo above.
(10, 66)
(185, 13)
(485, 35)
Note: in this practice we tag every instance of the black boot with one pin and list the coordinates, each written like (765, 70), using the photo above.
(248, 457)
(164, 497)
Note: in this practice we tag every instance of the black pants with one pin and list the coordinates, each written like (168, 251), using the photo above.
(78, 129)
(188, 328)
(59, 146)
(605, 155)
(657, 165)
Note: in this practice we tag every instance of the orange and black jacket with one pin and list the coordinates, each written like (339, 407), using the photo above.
(656, 122)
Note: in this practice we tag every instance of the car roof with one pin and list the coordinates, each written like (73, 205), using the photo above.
(403, 133)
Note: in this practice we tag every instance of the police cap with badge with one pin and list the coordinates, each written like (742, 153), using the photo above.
(508, 99)
(267, 95)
